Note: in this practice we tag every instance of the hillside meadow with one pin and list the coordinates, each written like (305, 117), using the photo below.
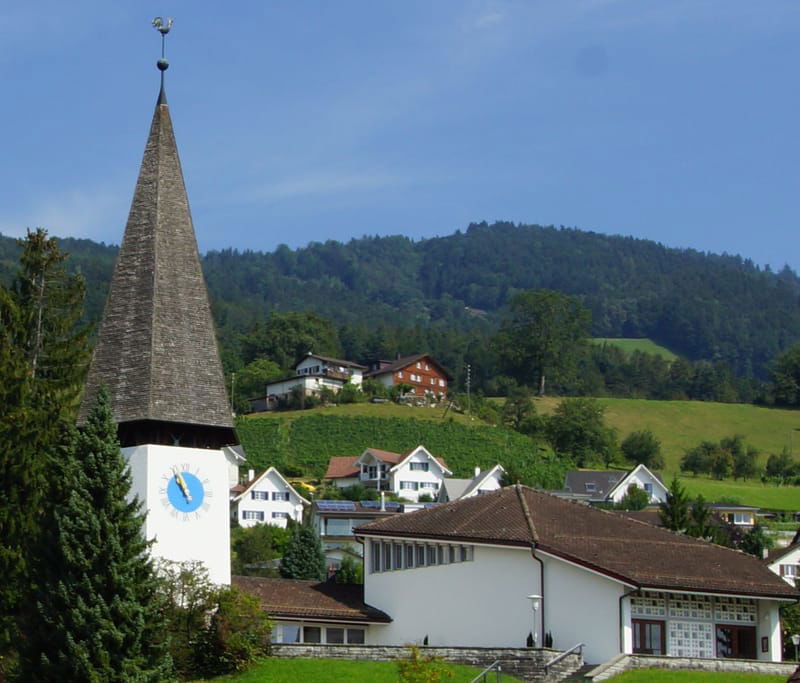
(641, 345)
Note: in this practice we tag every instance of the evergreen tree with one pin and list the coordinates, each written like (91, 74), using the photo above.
(700, 525)
(94, 613)
(43, 358)
(674, 512)
(303, 558)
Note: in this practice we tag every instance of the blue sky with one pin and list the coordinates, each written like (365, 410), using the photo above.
(306, 121)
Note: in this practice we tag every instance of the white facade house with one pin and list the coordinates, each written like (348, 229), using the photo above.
(267, 499)
(786, 563)
(344, 370)
(516, 565)
(610, 486)
(235, 457)
(483, 482)
(643, 478)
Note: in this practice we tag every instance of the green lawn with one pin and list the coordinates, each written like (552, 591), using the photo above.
(631, 345)
(334, 671)
(389, 409)
(663, 676)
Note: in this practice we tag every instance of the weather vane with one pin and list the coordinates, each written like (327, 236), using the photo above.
(163, 28)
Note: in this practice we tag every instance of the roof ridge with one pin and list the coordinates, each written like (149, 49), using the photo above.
(527, 512)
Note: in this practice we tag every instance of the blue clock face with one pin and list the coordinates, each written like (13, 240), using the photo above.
(185, 491)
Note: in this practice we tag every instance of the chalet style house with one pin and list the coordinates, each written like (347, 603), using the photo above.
(408, 475)
(610, 486)
(312, 374)
(483, 482)
(266, 499)
(637, 588)
(427, 377)
(786, 563)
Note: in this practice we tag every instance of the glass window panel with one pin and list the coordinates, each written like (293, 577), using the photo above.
(420, 556)
(335, 636)
(290, 634)
(312, 634)
(355, 636)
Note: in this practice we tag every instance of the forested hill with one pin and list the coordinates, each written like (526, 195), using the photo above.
(703, 306)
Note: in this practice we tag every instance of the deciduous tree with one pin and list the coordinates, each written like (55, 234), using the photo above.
(642, 447)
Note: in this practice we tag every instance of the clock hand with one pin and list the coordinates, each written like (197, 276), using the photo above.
(182, 484)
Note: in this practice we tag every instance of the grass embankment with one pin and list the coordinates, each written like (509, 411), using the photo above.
(334, 671)
(680, 425)
(662, 676)
(642, 345)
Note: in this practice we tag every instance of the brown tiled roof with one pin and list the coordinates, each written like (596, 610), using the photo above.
(637, 553)
(402, 363)
(290, 598)
(778, 553)
(342, 466)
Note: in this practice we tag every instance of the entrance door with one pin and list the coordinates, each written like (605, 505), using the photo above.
(737, 642)
(649, 637)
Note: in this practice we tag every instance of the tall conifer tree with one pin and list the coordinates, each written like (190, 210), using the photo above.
(303, 558)
(95, 613)
(43, 359)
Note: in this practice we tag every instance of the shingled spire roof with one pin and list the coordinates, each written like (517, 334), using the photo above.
(156, 351)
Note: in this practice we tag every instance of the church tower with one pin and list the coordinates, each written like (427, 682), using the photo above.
(157, 354)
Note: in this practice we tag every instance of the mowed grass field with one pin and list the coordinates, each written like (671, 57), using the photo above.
(631, 345)
(680, 425)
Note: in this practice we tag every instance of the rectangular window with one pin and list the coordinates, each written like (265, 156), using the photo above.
(338, 527)
(280, 495)
(398, 556)
(253, 514)
(409, 556)
(429, 485)
(451, 551)
(649, 488)
(312, 634)
(737, 642)
(440, 554)
(420, 466)
(290, 634)
(409, 485)
(465, 554)
(376, 556)
(259, 495)
(649, 637)
(591, 487)
(420, 556)
(400, 374)
(742, 518)
(334, 636)
(386, 554)
(789, 570)
(441, 382)
(419, 365)
(355, 636)
(280, 515)
(431, 555)
(433, 380)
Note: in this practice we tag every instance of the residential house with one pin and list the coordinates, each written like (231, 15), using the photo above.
(236, 459)
(610, 486)
(786, 563)
(311, 375)
(334, 521)
(313, 612)
(266, 499)
(740, 516)
(562, 572)
(408, 475)
(427, 377)
(483, 482)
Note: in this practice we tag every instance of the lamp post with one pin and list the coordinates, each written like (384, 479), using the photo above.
(795, 642)
(536, 601)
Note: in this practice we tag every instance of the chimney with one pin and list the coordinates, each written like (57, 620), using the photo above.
(383, 501)
(764, 553)
(477, 470)
(251, 474)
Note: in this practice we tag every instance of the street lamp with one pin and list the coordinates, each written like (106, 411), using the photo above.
(795, 642)
(536, 601)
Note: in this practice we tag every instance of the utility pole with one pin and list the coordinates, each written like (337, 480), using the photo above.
(469, 399)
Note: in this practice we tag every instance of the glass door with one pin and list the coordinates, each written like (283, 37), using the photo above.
(649, 637)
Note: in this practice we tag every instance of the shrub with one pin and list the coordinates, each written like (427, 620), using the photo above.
(418, 668)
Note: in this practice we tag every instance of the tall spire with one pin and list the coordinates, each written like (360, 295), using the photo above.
(156, 350)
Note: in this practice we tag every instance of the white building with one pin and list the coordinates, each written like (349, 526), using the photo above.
(610, 486)
(266, 499)
(483, 482)
(498, 569)
(408, 475)
(786, 563)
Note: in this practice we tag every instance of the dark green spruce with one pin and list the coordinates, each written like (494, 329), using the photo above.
(303, 558)
(95, 612)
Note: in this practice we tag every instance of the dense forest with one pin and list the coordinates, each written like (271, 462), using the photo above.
(445, 295)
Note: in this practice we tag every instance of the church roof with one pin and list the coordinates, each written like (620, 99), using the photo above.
(156, 350)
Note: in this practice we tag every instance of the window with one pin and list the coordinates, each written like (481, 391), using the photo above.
(334, 636)
(591, 487)
(338, 527)
(419, 365)
(433, 380)
(253, 514)
(280, 495)
(420, 466)
(409, 556)
(420, 556)
(738, 642)
(400, 375)
(649, 488)
(789, 570)
(397, 556)
(386, 552)
(280, 515)
(355, 636)
(441, 556)
(376, 556)
(431, 555)
(742, 518)
(409, 485)
(649, 637)
(259, 495)
(312, 634)
(289, 633)
(429, 485)
(441, 382)
(466, 554)
(452, 554)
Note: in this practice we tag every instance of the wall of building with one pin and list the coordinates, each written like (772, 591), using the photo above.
(640, 478)
(201, 535)
(482, 602)
(421, 479)
(581, 607)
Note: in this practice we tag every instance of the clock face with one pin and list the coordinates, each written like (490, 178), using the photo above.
(185, 492)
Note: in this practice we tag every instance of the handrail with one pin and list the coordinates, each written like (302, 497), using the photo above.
(579, 647)
(482, 674)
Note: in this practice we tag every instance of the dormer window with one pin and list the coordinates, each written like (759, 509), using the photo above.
(591, 487)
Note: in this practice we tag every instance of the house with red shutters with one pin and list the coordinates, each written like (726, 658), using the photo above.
(428, 378)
